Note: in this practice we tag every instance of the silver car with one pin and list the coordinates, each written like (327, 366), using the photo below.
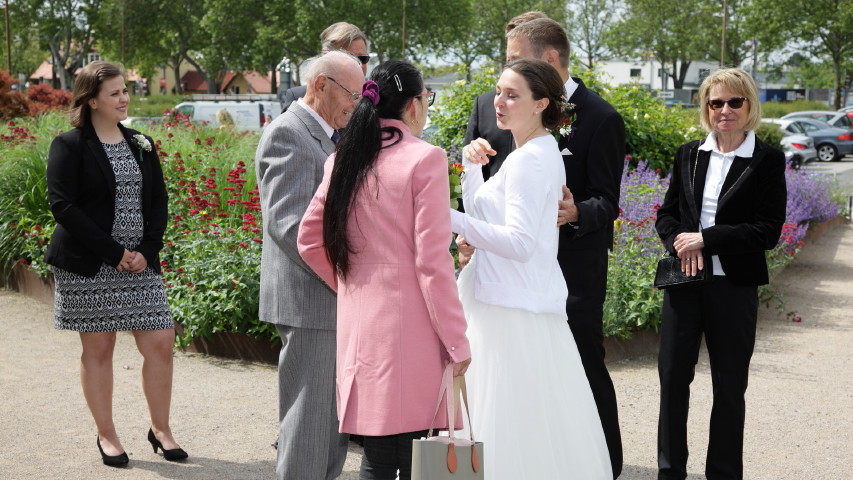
(832, 143)
(836, 119)
(799, 149)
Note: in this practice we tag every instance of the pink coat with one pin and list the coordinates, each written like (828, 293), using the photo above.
(399, 314)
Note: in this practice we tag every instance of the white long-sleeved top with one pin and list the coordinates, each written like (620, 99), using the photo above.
(512, 221)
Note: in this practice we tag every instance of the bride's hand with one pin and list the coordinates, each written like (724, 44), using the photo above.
(459, 368)
(478, 151)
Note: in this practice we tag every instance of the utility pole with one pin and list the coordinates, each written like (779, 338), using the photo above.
(122, 31)
(723, 46)
(755, 58)
(8, 41)
(404, 31)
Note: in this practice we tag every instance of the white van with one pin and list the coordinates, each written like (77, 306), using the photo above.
(250, 112)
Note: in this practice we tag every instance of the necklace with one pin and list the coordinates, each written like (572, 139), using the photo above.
(531, 135)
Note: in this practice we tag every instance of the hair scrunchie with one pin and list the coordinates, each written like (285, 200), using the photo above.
(371, 91)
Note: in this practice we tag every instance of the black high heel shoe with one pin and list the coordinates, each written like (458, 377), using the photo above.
(172, 455)
(112, 460)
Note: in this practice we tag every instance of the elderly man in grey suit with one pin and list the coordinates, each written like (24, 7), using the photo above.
(289, 167)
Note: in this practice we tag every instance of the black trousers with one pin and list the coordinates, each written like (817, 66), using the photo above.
(385, 455)
(726, 315)
(586, 275)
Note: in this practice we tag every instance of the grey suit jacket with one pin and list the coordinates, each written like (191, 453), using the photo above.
(289, 167)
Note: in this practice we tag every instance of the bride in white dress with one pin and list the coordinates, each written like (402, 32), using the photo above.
(530, 401)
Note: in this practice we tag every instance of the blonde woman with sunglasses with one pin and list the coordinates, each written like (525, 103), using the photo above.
(725, 206)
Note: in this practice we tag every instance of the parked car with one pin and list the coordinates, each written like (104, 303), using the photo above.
(140, 122)
(247, 112)
(799, 149)
(836, 119)
(831, 143)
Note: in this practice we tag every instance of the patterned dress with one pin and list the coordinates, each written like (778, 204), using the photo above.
(112, 300)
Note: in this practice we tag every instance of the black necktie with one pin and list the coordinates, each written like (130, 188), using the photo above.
(335, 137)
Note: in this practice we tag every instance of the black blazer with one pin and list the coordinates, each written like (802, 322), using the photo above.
(81, 192)
(593, 170)
(750, 210)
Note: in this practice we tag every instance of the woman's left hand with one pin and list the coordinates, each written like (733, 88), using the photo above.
(138, 264)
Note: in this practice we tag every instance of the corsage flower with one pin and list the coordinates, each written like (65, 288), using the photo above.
(569, 116)
(142, 143)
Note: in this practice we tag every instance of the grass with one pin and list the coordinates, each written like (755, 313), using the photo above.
(153, 106)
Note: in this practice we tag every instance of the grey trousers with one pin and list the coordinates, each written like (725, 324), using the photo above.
(309, 446)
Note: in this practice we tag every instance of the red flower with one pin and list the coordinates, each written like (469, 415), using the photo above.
(244, 245)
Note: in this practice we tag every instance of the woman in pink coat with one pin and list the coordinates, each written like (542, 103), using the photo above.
(378, 231)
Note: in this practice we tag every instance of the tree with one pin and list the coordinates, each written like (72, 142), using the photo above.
(674, 34)
(499, 12)
(826, 31)
(589, 23)
(27, 53)
(739, 31)
(66, 27)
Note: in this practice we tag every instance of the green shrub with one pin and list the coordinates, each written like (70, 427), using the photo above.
(26, 222)
(653, 132)
(456, 103)
(779, 109)
(770, 133)
(154, 105)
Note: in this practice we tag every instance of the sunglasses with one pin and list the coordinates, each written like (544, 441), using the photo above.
(354, 97)
(430, 96)
(735, 103)
(363, 59)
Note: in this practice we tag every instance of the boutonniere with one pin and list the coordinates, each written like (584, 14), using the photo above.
(142, 143)
(569, 116)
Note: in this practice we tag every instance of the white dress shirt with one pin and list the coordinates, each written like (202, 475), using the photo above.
(512, 221)
(316, 116)
(718, 169)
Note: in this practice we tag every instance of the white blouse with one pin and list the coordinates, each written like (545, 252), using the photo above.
(718, 169)
(512, 221)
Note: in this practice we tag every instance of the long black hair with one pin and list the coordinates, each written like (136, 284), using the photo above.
(358, 148)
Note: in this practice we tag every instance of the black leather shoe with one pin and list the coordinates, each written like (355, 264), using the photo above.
(114, 460)
(172, 455)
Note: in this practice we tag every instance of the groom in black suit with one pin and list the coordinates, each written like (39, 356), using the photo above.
(593, 154)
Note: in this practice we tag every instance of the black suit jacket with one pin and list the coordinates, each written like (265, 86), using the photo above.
(81, 191)
(750, 209)
(291, 95)
(593, 174)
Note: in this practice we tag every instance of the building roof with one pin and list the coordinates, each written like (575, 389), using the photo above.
(194, 81)
(259, 83)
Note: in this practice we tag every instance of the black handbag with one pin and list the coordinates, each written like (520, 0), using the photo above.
(669, 274)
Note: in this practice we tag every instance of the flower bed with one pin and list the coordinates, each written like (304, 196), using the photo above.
(211, 262)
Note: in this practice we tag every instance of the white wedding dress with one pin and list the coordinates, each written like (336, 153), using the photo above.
(531, 404)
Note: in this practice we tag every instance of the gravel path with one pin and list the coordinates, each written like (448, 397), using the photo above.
(799, 416)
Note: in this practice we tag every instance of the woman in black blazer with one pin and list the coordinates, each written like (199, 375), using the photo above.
(725, 206)
(106, 192)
